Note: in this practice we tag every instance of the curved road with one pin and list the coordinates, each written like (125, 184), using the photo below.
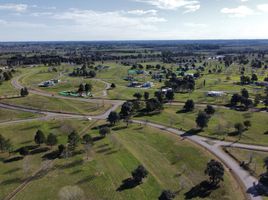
(213, 146)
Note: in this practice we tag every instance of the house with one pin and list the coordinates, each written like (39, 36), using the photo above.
(148, 85)
(49, 83)
(134, 84)
(215, 93)
(165, 90)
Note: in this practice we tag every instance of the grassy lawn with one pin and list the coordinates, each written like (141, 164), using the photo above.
(172, 164)
(220, 124)
(22, 134)
(37, 75)
(57, 104)
(9, 115)
(243, 155)
(6, 89)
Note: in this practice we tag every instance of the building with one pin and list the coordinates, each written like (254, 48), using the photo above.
(215, 93)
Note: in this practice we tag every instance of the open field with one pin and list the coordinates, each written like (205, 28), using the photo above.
(9, 115)
(112, 160)
(220, 126)
(58, 105)
(254, 158)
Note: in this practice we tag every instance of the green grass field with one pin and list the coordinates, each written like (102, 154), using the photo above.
(59, 105)
(9, 115)
(220, 124)
(172, 164)
(243, 155)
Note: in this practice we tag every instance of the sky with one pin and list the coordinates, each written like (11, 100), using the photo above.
(90, 20)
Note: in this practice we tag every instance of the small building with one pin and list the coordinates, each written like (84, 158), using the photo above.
(148, 85)
(134, 84)
(165, 90)
(215, 93)
(49, 83)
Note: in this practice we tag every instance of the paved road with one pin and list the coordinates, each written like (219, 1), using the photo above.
(213, 146)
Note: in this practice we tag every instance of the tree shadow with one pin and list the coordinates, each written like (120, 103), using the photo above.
(12, 171)
(11, 181)
(111, 152)
(51, 155)
(119, 128)
(233, 133)
(191, 132)
(39, 150)
(13, 159)
(104, 150)
(97, 138)
(86, 179)
(202, 190)
(127, 184)
(29, 147)
(73, 164)
(102, 145)
(258, 190)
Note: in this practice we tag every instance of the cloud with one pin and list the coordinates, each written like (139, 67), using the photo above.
(189, 5)
(14, 7)
(195, 25)
(142, 12)
(263, 7)
(240, 11)
(119, 20)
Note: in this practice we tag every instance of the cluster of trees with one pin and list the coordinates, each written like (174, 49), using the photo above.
(241, 127)
(242, 98)
(85, 88)
(185, 84)
(203, 117)
(6, 75)
(246, 80)
(24, 92)
(84, 71)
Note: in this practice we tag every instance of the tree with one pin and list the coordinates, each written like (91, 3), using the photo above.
(113, 86)
(170, 95)
(137, 95)
(235, 99)
(167, 195)
(215, 171)
(24, 92)
(202, 120)
(81, 88)
(247, 124)
(244, 93)
(146, 95)
(39, 137)
(189, 105)
(254, 77)
(87, 139)
(210, 110)
(61, 149)
(139, 173)
(52, 140)
(239, 128)
(113, 117)
(88, 87)
(73, 140)
(104, 131)
(153, 105)
(126, 111)
(5, 144)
